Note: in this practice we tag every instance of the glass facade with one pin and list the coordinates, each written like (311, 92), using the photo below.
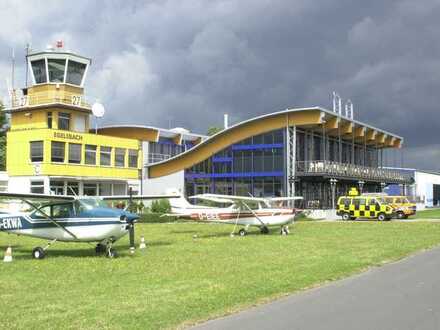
(257, 166)
(165, 148)
(253, 166)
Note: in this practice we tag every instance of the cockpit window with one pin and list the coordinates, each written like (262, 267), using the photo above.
(39, 215)
(62, 210)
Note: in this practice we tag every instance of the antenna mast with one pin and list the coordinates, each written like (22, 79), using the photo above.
(13, 70)
(26, 65)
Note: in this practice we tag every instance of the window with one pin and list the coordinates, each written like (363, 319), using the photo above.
(43, 214)
(57, 187)
(37, 187)
(90, 154)
(90, 189)
(36, 151)
(75, 72)
(49, 120)
(356, 203)
(132, 158)
(57, 151)
(79, 124)
(56, 68)
(62, 210)
(72, 188)
(74, 153)
(119, 157)
(105, 156)
(63, 120)
(39, 70)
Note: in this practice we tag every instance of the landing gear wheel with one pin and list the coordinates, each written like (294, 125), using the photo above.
(242, 232)
(100, 249)
(381, 217)
(284, 231)
(38, 253)
(346, 216)
(264, 230)
(111, 253)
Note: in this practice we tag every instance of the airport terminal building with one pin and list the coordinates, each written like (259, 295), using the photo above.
(310, 152)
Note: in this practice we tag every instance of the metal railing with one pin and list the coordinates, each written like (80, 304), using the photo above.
(49, 98)
(341, 170)
(154, 158)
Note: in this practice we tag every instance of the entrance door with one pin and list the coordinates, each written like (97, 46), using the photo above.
(436, 195)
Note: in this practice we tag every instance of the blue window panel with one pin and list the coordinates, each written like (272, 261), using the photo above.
(231, 175)
(221, 159)
(256, 146)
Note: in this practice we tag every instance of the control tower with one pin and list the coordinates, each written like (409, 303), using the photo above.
(50, 147)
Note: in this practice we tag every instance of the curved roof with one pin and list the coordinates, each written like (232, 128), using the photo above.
(149, 133)
(314, 117)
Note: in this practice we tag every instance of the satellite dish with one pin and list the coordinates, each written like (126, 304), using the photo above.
(98, 110)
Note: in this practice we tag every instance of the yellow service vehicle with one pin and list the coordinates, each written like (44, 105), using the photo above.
(403, 207)
(352, 207)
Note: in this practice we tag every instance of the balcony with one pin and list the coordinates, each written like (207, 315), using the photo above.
(350, 171)
(49, 98)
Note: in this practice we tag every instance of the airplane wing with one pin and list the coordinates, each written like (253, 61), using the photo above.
(282, 199)
(228, 198)
(30, 196)
(232, 199)
(137, 197)
(216, 199)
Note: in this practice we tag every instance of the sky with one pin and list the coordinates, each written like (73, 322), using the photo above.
(184, 63)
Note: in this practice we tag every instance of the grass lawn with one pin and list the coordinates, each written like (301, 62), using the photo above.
(179, 280)
(428, 214)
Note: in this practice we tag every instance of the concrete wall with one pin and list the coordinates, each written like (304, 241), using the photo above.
(160, 185)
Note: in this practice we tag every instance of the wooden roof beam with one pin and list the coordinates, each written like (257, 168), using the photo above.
(371, 134)
(380, 138)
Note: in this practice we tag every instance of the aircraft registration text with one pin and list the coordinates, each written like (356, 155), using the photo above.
(11, 223)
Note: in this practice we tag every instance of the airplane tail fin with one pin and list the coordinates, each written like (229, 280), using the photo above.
(178, 205)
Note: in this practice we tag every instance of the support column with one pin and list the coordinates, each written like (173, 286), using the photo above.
(291, 160)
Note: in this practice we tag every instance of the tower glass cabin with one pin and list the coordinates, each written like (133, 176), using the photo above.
(49, 146)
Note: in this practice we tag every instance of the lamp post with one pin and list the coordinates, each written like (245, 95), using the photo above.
(361, 186)
(333, 187)
(382, 186)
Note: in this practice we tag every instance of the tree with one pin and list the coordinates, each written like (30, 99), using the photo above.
(213, 130)
(3, 128)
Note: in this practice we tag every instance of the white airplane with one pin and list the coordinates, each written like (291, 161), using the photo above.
(72, 219)
(240, 210)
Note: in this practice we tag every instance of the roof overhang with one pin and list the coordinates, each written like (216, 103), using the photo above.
(315, 118)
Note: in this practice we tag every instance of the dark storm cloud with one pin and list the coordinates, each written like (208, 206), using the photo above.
(188, 62)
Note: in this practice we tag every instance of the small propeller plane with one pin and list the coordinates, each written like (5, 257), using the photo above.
(239, 210)
(72, 219)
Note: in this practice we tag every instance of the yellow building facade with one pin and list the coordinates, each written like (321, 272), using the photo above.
(50, 147)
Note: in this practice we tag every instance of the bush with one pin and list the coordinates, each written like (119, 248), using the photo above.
(160, 206)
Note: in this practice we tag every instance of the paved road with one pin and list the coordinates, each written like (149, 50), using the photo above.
(402, 296)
